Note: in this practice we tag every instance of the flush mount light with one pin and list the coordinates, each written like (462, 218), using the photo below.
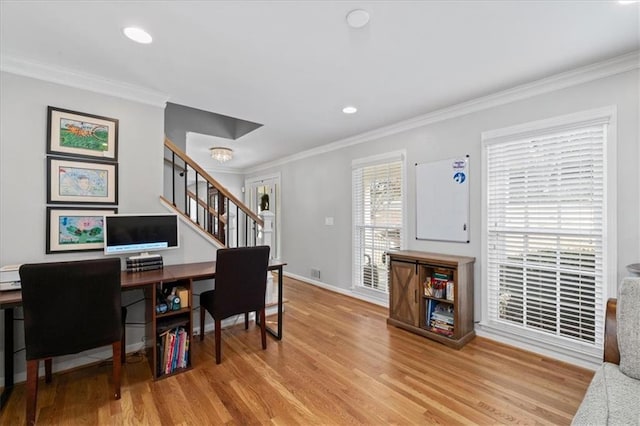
(358, 18)
(138, 35)
(349, 109)
(221, 154)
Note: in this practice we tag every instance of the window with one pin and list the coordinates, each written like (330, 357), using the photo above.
(546, 230)
(378, 217)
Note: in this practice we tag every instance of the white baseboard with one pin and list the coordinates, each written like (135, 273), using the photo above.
(527, 345)
(346, 292)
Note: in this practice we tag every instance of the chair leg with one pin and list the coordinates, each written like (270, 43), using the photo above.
(117, 367)
(246, 320)
(218, 340)
(202, 309)
(47, 370)
(263, 328)
(32, 390)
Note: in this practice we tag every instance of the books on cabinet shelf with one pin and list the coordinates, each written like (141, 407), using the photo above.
(439, 318)
(439, 285)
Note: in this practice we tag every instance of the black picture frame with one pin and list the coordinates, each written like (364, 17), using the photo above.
(75, 181)
(81, 135)
(74, 229)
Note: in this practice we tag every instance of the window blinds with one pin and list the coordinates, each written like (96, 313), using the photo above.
(378, 218)
(545, 232)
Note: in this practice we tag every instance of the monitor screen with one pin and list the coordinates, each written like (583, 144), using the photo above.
(140, 233)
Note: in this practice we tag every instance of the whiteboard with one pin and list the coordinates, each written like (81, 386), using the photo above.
(442, 200)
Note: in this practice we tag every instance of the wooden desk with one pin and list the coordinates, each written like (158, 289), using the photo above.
(128, 280)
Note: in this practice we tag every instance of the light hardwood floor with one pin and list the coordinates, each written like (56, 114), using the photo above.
(339, 363)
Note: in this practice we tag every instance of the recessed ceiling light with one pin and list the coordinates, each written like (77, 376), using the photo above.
(349, 109)
(138, 35)
(627, 1)
(358, 18)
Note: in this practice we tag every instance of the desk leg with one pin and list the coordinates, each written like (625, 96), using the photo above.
(278, 335)
(8, 357)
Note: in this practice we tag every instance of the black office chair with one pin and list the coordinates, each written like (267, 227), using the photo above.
(240, 287)
(69, 307)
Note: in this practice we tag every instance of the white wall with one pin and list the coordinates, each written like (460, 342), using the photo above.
(23, 120)
(320, 186)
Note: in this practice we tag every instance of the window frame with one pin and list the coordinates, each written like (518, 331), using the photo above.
(359, 163)
(535, 339)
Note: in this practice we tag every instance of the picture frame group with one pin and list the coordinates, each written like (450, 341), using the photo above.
(82, 179)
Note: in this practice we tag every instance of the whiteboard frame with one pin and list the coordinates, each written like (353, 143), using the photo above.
(427, 190)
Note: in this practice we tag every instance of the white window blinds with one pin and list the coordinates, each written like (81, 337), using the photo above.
(378, 217)
(545, 232)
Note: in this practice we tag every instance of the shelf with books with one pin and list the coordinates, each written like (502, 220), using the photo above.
(440, 317)
(169, 328)
(432, 295)
(173, 352)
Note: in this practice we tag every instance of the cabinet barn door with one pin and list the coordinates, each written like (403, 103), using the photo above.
(403, 296)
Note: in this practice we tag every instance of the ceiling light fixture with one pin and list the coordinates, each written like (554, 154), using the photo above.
(358, 18)
(221, 153)
(627, 1)
(138, 35)
(349, 109)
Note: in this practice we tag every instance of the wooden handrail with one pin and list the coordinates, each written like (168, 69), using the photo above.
(221, 189)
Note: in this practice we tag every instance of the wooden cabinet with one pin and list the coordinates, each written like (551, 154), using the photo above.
(432, 295)
(169, 332)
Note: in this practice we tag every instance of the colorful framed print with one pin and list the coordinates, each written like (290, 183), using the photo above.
(71, 229)
(77, 134)
(81, 182)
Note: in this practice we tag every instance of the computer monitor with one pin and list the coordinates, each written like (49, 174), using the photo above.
(141, 233)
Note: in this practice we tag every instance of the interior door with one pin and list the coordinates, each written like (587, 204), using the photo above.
(255, 191)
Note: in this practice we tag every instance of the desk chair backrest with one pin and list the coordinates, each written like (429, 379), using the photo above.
(70, 307)
(241, 278)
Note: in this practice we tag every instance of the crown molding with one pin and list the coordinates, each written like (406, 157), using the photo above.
(617, 65)
(79, 80)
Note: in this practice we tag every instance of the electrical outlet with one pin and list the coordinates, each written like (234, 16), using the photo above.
(315, 273)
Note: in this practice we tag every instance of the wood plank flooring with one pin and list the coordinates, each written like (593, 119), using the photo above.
(339, 363)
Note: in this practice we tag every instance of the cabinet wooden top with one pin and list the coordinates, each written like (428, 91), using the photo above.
(422, 256)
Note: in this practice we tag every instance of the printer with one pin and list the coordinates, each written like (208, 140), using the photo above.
(10, 278)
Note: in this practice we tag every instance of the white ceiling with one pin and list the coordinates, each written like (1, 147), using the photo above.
(293, 65)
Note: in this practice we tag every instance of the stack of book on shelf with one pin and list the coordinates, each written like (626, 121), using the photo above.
(440, 319)
(439, 284)
(173, 350)
(144, 263)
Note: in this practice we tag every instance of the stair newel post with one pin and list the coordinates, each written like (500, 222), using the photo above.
(267, 240)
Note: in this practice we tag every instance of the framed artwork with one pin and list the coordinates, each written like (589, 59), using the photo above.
(78, 134)
(72, 229)
(81, 182)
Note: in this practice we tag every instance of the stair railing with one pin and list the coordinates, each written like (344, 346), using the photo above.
(204, 202)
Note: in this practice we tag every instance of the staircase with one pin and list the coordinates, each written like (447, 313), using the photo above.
(205, 203)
